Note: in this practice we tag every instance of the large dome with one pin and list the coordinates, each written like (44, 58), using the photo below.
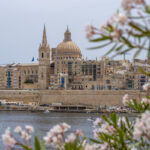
(67, 48)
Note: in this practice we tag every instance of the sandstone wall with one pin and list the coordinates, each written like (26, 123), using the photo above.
(94, 98)
(20, 95)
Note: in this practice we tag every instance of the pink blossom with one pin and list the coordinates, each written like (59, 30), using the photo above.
(89, 147)
(127, 4)
(141, 127)
(55, 135)
(79, 133)
(89, 29)
(139, 2)
(71, 138)
(98, 122)
(29, 128)
(25, 136)
(8, 139)
(96, 133)
(133, 148)
(65, 126)
(122, 120)
(145, 101)
(104, 146)
(57, 129)
(131, 101)
(106, 128)
(146, 87)
(18, 129)
(116, 34)
(125, 99)
(118, 18)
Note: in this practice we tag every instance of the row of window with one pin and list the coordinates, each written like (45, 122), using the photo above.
(30, 72)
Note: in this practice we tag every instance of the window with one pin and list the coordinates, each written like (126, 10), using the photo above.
(42, 75)
(107, 81)
(42, 55)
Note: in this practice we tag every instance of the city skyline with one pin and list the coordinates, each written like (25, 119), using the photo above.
(22, 24)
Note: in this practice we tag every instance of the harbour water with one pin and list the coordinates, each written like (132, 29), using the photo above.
(42, 122)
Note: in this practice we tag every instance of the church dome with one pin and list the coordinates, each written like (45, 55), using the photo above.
(68, 48)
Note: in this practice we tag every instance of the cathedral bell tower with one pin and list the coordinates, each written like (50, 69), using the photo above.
(44, 63)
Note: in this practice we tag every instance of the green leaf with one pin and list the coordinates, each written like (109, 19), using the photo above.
(144, 72)
(95, 141)
(126, 41)
(43, 146)
(113, 48)
(101, 46)
(136, 27)
(148, 52)
(147, 10)
(37, 143)
(113, 117)
(25, 147)
(139, 50)
(121, 53)
(120, 47)
(148, 97)
(104, 38)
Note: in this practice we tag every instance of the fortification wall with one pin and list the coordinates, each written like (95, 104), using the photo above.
(94, 98)
(20, 95)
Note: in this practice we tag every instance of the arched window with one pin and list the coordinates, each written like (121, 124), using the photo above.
(42, 76)
(42, 55)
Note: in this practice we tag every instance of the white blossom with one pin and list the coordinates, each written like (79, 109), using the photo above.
(145, 101)
(116, 34)
(8, 139)
(118, 18)
(79, 133)
(106, 128)
(142, 126)
(127, 4)
(104, 146)
(65, 126)
(71, 138)
(133, 148)
(89, 29)
(96, 133)
(98, 122)
(18, 129)
(25, 136)
(139, 2)
(122, 120)
(89, 147)
(146, 87)
(125, 99)
(29, 129)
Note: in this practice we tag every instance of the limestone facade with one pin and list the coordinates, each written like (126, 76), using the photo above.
(63, 68)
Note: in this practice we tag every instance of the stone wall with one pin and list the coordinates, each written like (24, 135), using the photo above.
(94, 98)
(20, 95)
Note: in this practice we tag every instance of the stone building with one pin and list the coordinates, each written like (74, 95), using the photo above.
(63, 68)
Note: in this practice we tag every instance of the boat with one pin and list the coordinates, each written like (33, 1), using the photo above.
(46, 111)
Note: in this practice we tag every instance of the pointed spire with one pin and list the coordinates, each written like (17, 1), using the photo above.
(67, 29)
(67, 35)
(44, 42)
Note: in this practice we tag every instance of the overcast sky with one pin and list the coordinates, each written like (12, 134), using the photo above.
(22, 21)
